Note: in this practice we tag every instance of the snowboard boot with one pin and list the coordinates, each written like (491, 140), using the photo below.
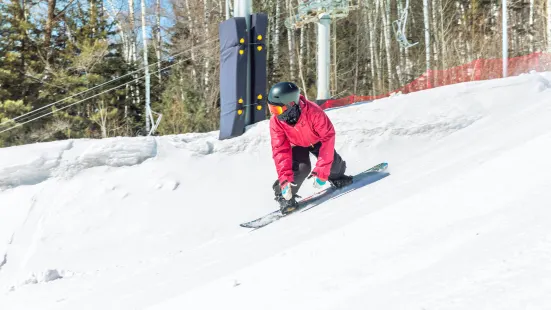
(342, 181)
(287, 206)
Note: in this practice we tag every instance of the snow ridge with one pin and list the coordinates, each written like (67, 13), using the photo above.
(67, 158)
(36, 171)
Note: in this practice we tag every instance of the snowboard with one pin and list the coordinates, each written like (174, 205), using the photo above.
(361, 179)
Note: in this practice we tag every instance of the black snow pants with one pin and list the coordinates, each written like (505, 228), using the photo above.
(302, 166)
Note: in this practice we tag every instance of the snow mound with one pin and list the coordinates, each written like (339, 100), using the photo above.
(33, 164)
(255, 138)
(30, 164)
(113, 152)
(43, 277)
(46, 276)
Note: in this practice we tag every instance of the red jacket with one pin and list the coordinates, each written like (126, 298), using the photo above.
(312, 127)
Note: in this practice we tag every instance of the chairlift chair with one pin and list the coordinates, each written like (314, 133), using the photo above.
(399, 27)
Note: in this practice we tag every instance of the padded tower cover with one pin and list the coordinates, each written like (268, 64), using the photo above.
(259, 26)
(233, 76)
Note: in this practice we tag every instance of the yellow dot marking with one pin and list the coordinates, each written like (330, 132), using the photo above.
(259, 107)
(259, 37)
(240, 100)
(239, 112)
(259, 97)
(259, 48)
(241, 52)
(242, 41)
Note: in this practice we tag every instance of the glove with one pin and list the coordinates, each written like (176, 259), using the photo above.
(287, 191)
(318, 183)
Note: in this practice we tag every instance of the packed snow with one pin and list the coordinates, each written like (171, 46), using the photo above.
(461, 222)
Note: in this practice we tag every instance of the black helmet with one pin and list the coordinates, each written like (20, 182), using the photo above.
(283, 94)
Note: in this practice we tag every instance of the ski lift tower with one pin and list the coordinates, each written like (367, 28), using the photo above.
(322, 12)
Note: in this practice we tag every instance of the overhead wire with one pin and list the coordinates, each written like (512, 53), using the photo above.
(88, 98)
(100, 85)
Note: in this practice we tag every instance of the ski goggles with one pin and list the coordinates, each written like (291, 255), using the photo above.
(275, 109)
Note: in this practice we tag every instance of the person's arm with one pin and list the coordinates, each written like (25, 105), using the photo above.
(326, 131)
(281, 153)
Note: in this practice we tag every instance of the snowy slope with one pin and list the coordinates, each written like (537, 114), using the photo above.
(462, 222)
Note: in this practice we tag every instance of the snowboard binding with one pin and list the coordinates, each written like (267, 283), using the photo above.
(341, 182)
(287, 206)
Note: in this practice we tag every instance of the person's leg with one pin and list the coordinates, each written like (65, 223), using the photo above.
(338, 168)
(301, 169)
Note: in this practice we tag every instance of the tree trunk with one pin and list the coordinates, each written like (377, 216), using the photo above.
(269, 34)
(549, 26)
(380, 61)
(276, 37)
(49, 25)
(291, 44)
(401, 50)
(437, 41)
(308, 55)
(357, 60)
(135, 89)
(368, 62)
(443, 39)
(467, 42)
(371, 16)
(159, 44)
(300, 62)
(103, 119)
(386, 23)
(531, 27)
(427, 36)
(146, 67)
(206, 31)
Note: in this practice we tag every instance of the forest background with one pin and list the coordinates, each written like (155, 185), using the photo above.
(87, 57)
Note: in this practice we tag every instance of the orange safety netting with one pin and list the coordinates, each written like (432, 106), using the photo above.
(477, 70)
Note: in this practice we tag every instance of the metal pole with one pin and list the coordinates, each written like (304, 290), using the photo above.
(505, 41)
(244, 8)
(324, 56)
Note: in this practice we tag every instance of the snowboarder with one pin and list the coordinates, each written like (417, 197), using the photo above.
(299, 127)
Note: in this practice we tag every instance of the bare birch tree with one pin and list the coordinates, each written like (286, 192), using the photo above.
(158, 37)
(386, 25)
(277, 25)
(291, 43)
(443, 38)
(300, 54)
(549, 26)
(146, 68)
(437, 41)
(531, 26)
(133, 51)
(206, 23)
(427, 34)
